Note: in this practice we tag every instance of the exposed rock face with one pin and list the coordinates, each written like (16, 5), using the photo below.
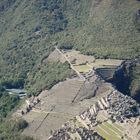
(122, 77)
(125, 78)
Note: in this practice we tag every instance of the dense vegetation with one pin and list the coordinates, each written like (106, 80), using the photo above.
(7, 103)
(48, 75)
(134, 87)
(10, 129)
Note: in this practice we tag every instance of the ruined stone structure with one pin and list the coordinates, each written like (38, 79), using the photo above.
(122, 107)
(69, 133)
(119, 107)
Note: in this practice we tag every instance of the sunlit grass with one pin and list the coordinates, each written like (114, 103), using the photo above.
(83, 68)
(111, 131)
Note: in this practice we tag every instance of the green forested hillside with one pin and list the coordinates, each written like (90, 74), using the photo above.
(28, 29)
(10, 129)
(7, 103)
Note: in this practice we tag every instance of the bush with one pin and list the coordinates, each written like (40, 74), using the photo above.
(66, 46)
(20, 125)
(11, 130)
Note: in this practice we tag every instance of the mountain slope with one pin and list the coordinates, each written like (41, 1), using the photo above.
(106, 29)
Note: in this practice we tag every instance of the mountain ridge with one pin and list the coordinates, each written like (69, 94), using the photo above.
(29, 30)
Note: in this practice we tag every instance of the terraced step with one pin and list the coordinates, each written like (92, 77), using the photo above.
(107, 133)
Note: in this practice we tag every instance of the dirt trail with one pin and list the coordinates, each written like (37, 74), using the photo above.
(44, 119)
(72, 67)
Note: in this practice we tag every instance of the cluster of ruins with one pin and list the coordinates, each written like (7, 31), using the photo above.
(30, 103)
(90, 116)
(117, 106)
(122, 107)
(68, 132)
(60, 134)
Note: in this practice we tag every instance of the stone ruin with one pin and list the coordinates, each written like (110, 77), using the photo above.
(61, 134)
(86, 134)
(30, 104)
(89, 116)
(118, 106)
(122, 107)
(68, 132)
